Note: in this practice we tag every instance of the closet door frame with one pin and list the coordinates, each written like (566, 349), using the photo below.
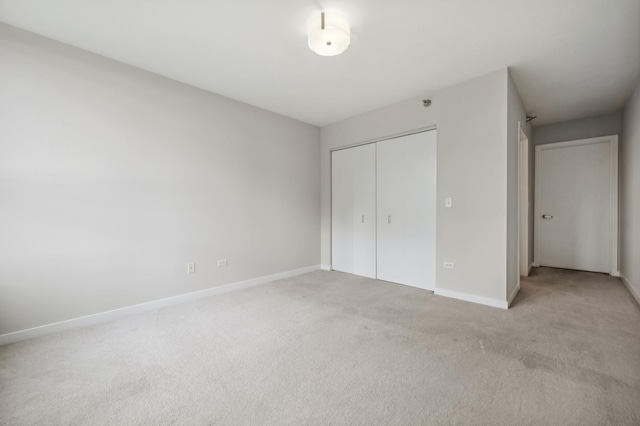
(366, 142)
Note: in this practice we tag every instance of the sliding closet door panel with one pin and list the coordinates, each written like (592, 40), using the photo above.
(364, 209)
(353, 199)
(390, 183)
(406, 209)
(342, 210)
(420, 210)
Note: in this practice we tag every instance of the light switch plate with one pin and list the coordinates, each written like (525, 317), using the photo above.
(448, 202)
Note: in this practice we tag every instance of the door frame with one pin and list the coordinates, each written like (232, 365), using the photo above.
(523, 204)
(613, 199)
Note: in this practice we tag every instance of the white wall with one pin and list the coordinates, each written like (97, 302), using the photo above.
(113, 178)
(516, 113)
(630, 194)
(583, 128)
(471, 118)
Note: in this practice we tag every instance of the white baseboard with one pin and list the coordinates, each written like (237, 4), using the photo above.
(115, 314)
(513, 295)
(634, 292)
(496, 303)
(325, 267)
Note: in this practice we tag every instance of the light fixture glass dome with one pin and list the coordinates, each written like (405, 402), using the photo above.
(329, 34)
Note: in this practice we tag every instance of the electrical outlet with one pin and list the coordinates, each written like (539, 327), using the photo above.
(222, 262)
(448, 265)
(191, 268)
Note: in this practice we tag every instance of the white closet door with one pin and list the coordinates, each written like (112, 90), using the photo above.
(353, 210)
(391, 227)
(420, 210)
(341, 211)
(364, 208)
(406, 176)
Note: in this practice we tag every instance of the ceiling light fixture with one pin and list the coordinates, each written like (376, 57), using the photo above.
(329, 34)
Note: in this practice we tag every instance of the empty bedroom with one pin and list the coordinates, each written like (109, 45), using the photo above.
(320, 212)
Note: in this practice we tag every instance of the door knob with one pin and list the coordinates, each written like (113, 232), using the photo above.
(547, 216)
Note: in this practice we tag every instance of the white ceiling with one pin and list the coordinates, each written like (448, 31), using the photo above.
(569, 58)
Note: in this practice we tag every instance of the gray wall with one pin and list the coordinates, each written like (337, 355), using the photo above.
(472, 168)
(630, 193)
(113, 178)
(584, 128)
(516, 113)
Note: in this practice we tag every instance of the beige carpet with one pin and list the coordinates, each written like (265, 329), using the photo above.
(331, 348)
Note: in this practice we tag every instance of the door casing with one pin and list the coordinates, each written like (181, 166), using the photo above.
(523, 204)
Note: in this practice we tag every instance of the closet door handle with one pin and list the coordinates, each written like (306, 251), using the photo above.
(362, 218)
(389, 219)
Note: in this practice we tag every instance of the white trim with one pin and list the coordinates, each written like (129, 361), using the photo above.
(496, 303)
(523, 203)
(153, 305)
(325, 267)
(385, 138)
(613, 206)
(632, 289)
(513, 295)
(536, 208)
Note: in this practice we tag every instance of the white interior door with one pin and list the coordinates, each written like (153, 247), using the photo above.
(353, 199)
(406, 175)
(574, 205)
(364, 205)
(391, 177)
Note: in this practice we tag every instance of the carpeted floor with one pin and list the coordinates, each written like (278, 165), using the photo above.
(331, 348)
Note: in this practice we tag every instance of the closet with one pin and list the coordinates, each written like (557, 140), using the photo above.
(383, 210)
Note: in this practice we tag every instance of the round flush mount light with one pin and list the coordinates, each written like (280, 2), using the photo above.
(329, 34)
